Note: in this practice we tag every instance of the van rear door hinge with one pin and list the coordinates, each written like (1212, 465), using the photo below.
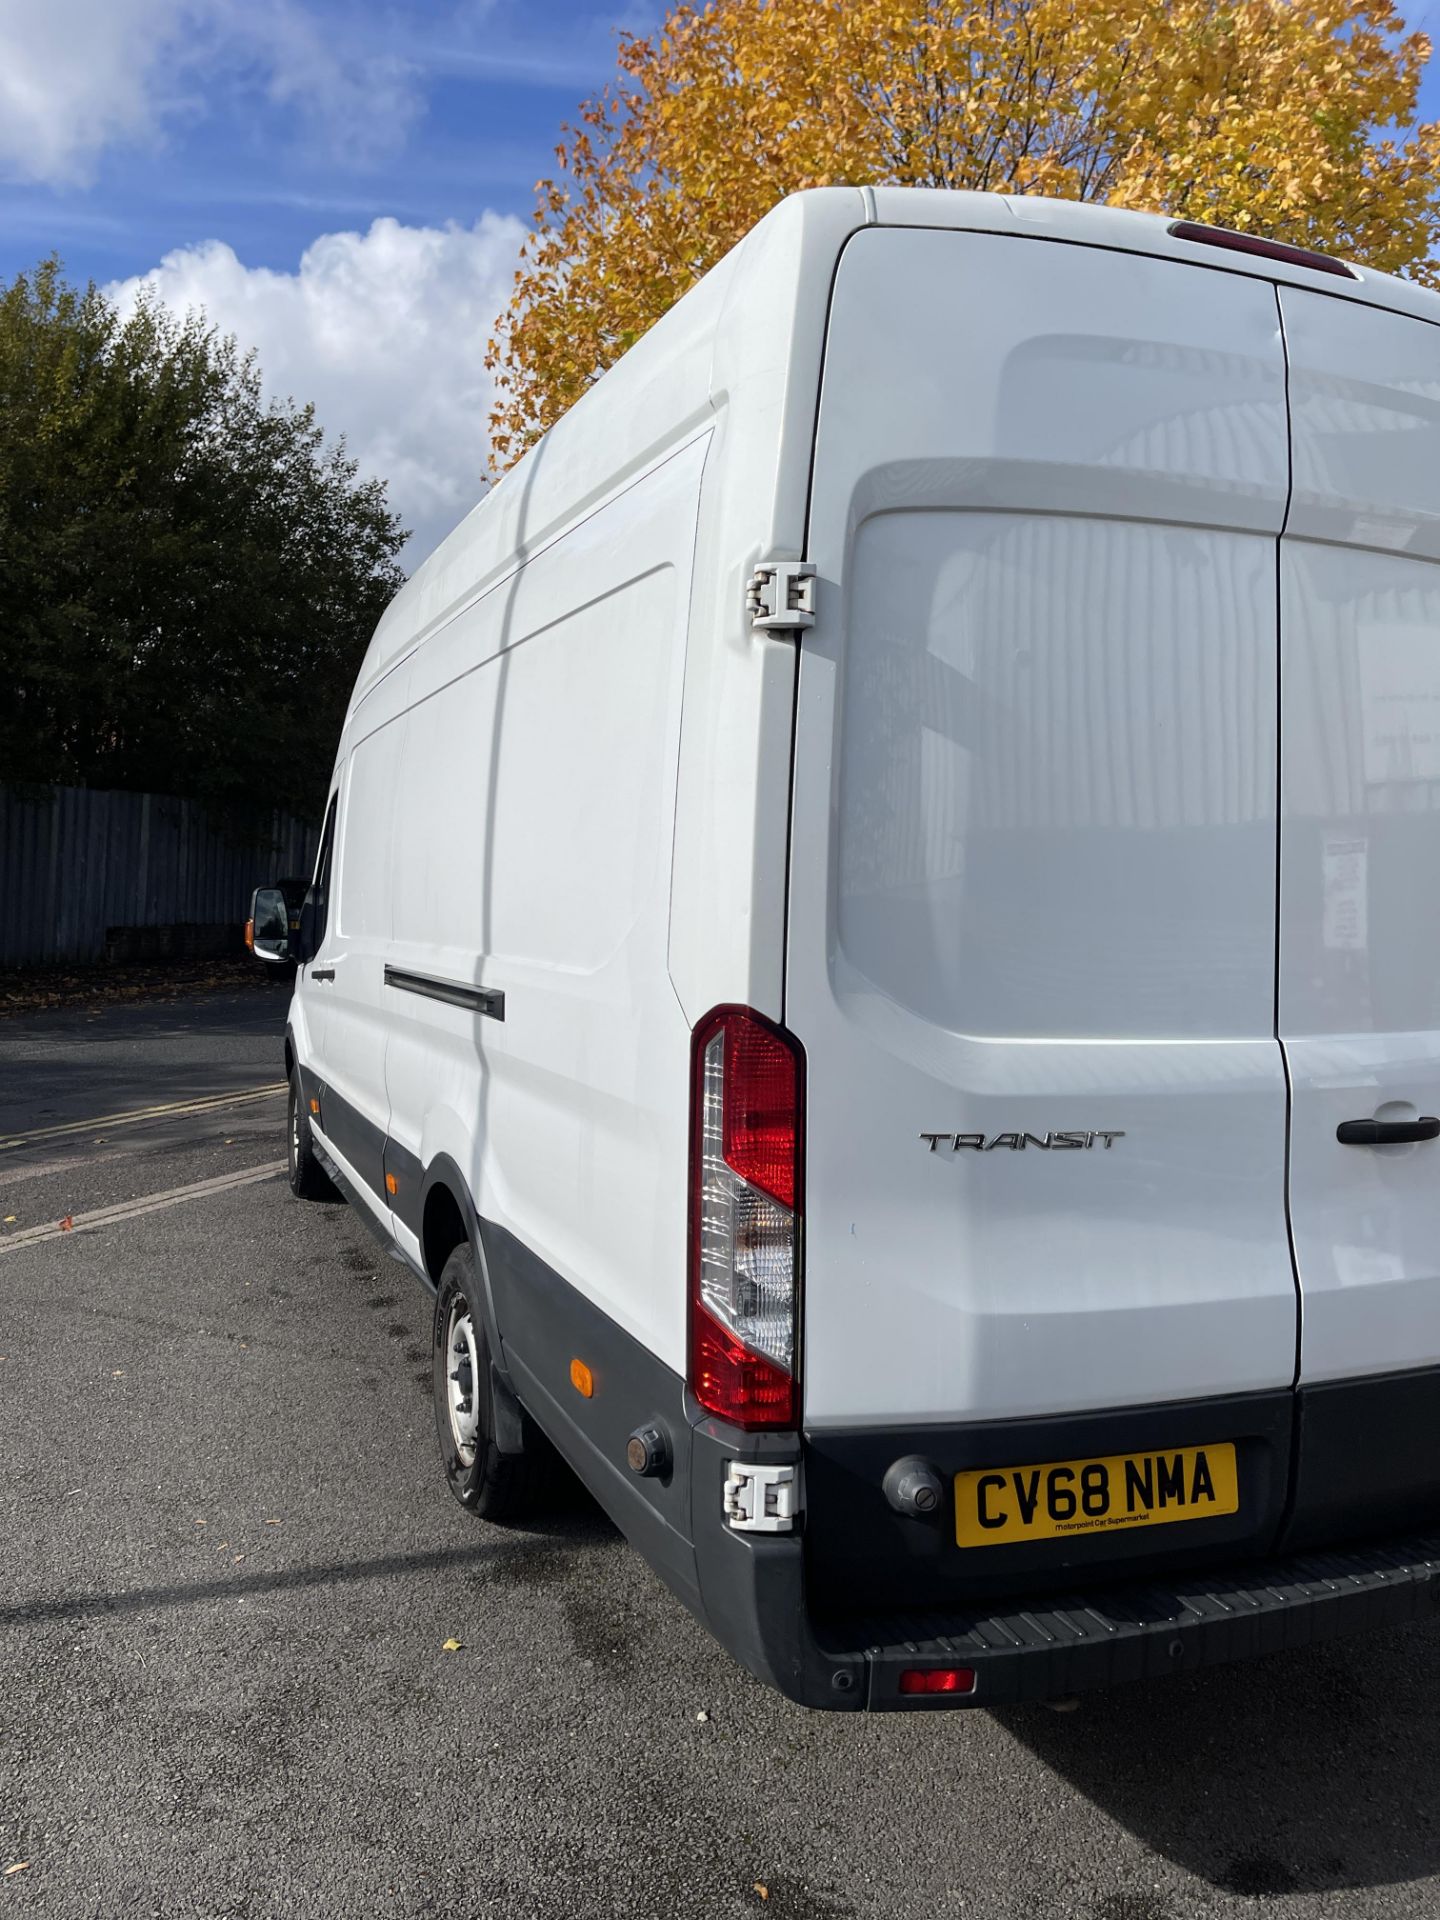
(781, 596)
(759, 1499)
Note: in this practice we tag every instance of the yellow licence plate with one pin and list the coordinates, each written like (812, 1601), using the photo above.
(997, 1506)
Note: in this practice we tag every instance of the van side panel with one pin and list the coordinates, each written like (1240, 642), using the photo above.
(534, 822)
(1032, 909)
(354, 1007)
(728, 905)
(1360, 851)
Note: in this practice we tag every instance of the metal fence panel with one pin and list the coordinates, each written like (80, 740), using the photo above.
(78, 867)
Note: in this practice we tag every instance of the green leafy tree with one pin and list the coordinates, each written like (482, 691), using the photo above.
(189, 574)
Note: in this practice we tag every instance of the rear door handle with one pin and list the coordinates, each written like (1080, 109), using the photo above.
(328, 973)
(1386, 1133)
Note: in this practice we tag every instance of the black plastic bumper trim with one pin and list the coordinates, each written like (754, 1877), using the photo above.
(862, 1553)
(1105, 1638)
(1367, 1462)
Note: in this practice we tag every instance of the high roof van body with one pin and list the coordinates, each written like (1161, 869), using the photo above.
(877, 942)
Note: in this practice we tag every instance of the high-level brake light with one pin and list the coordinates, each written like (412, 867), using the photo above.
(745, 1204)
(1265, 249)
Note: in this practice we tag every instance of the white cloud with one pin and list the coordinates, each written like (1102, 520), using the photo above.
(385, 331)
(77, 75)
(80, 76)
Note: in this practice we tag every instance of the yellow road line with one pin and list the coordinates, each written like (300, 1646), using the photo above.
(147, 1203)
(205, 1103)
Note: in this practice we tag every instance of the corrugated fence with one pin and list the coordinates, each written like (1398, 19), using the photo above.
(90, 876)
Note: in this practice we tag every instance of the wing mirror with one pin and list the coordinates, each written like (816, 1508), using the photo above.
(269, 930)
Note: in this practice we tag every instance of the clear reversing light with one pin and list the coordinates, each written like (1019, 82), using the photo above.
(745, 1219)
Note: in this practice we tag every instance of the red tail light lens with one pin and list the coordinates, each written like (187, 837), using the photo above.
(761, 1115)
(734, 1383)
(938, 1680)
(745, 1179)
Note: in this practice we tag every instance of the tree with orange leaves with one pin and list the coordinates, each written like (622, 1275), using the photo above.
(1294, 118)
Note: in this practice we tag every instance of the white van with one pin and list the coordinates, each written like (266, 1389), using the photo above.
(877, 943)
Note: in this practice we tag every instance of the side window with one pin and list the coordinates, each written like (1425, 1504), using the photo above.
(323, 866)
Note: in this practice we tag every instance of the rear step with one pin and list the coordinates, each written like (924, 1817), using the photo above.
(1102, 1638)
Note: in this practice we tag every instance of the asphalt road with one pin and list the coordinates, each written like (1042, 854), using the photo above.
(230, 1569)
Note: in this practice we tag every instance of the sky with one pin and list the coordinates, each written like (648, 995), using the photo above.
(342, 184)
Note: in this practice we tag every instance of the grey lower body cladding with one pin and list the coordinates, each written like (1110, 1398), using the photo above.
(792, 1609)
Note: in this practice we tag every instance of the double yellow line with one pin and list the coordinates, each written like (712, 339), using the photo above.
(134, 1116)
(147, 1203)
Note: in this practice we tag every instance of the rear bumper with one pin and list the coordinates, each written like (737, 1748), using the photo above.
(1063, 1644)
(753, 1594)
(1103, 1639)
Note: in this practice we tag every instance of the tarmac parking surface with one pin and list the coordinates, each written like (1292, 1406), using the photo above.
(231, 1568)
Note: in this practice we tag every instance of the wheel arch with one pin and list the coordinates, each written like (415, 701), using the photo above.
(448, 1215)
(445, 1203)
(443, 1227)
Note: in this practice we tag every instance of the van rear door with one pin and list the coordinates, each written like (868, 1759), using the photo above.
(1360, 853)
(1033, 873)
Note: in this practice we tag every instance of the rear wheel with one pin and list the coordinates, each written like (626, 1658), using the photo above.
(494, 1485)
(308, 1179)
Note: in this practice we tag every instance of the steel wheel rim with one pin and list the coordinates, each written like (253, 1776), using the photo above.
(462, 1380)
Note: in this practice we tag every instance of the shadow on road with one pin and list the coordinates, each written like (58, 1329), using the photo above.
(1314, 1771)
(577, 1524)
(72, 1065)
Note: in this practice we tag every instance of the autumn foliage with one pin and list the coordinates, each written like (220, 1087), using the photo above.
(1295, 118)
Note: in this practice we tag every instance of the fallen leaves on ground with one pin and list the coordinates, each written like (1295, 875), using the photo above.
(761, 1890)
(35, 990)
(67, 1225)
(19, 1866)
(453, 1646)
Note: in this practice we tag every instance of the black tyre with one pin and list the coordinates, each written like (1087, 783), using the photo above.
(308, 1179)
(494, 1485)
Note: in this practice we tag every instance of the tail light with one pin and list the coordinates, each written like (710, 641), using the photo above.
(745, 1206)
(250, 935)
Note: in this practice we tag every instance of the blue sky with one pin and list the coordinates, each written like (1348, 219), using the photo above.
(265, 124)
(343, 184)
